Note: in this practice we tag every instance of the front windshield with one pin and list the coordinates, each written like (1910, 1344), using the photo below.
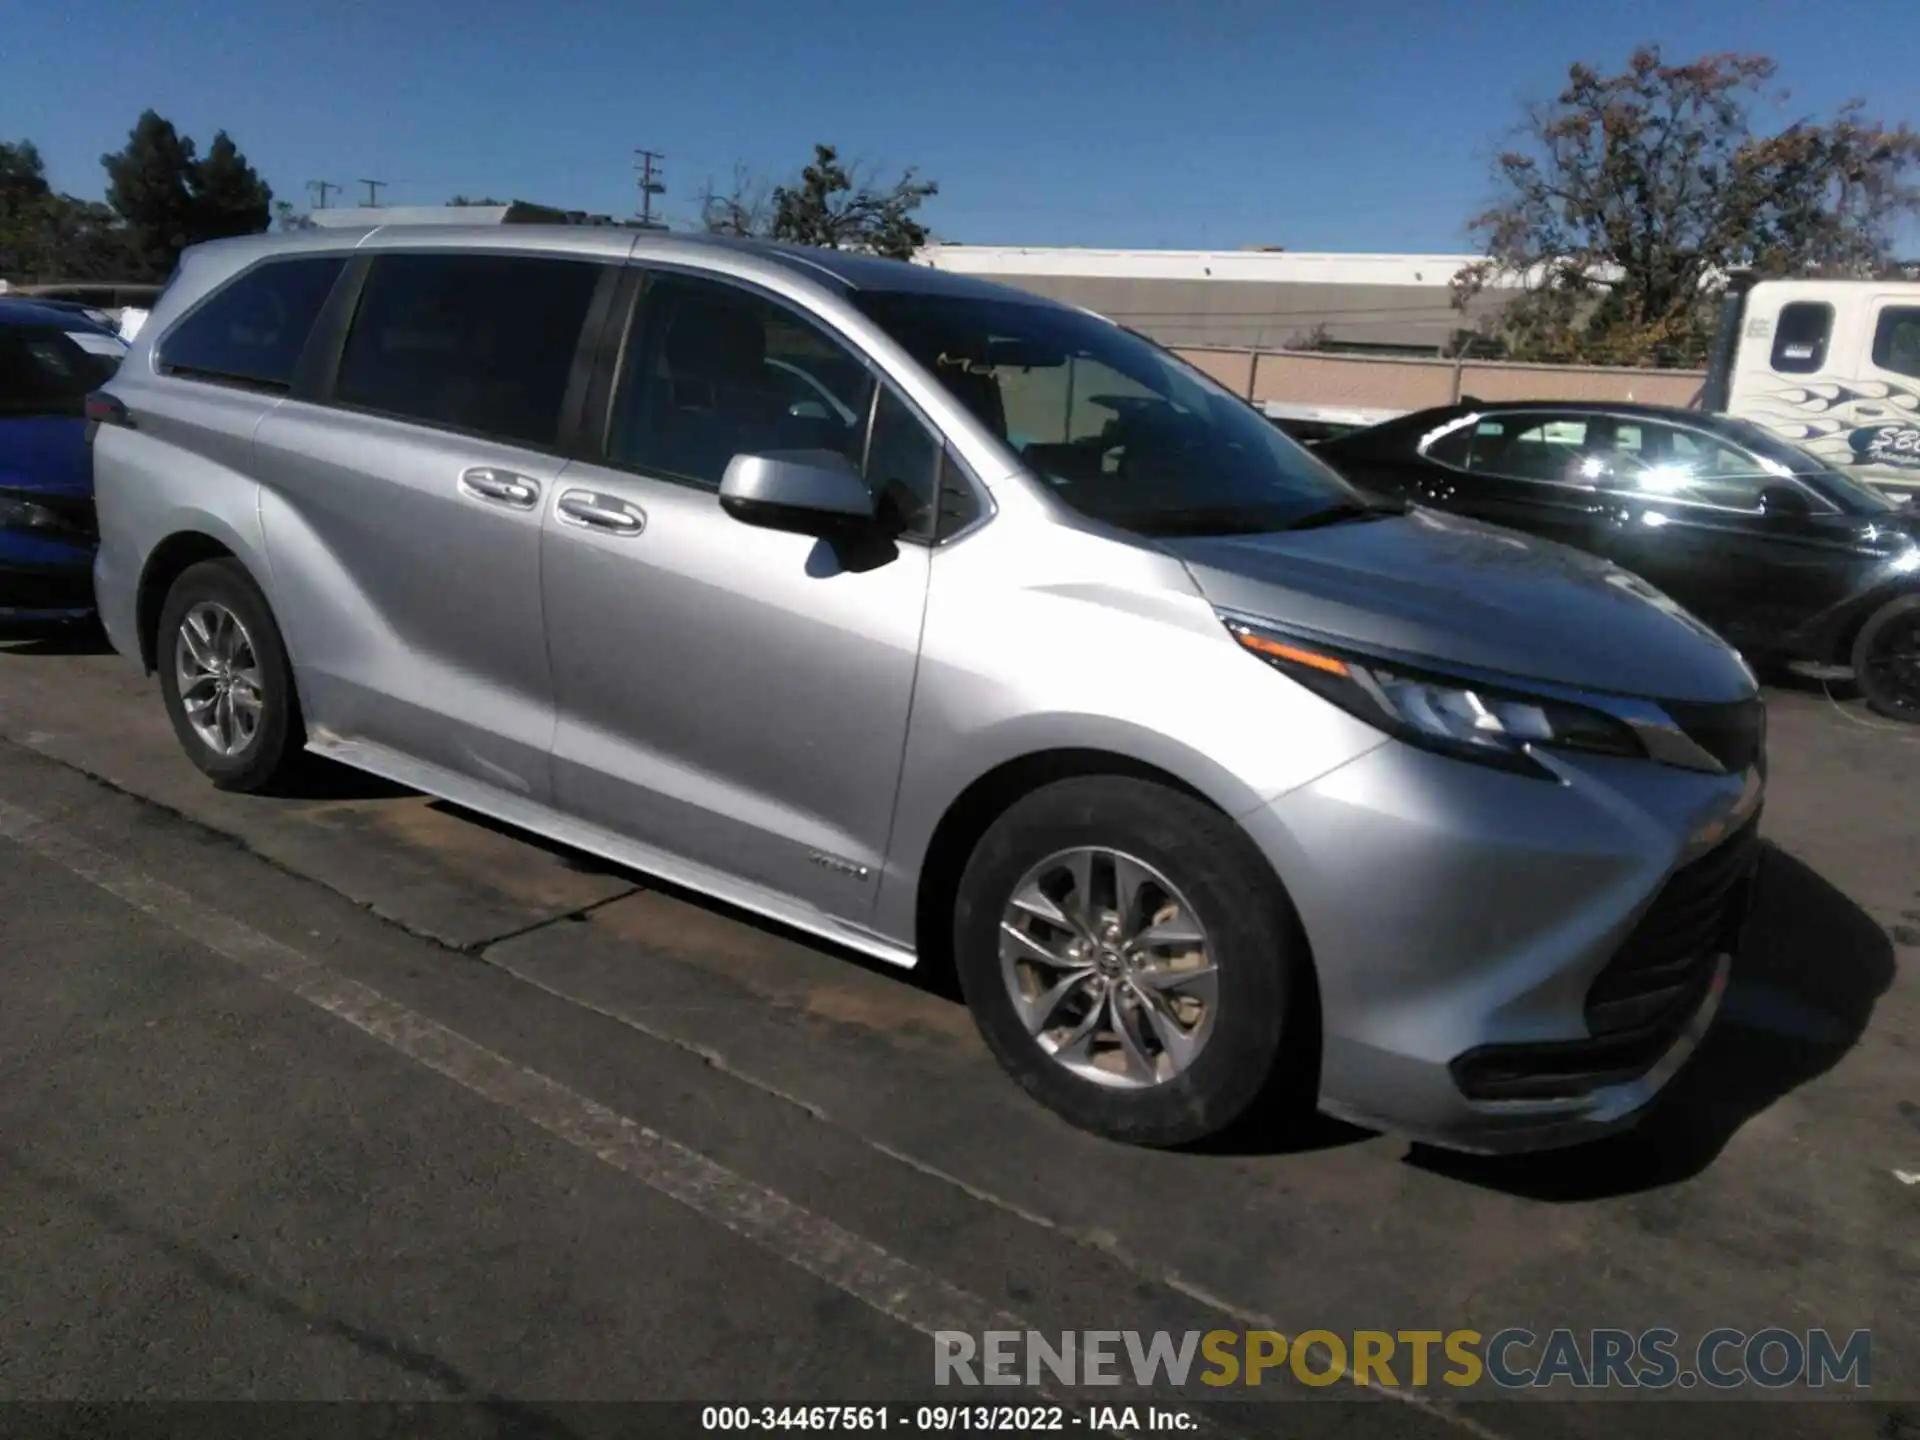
(1835, 484)
(1117, 428)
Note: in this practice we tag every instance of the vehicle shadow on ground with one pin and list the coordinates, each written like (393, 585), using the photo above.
(40, 638)
(318, 778)
(1799, 998)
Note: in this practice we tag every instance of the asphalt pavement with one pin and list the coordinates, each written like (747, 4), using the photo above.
(353, 1095)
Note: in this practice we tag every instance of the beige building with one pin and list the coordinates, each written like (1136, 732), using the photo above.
(1319, 337)
(1264, 299)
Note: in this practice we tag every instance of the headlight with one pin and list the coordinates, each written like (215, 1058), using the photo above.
(25, 515)
(1453, 716)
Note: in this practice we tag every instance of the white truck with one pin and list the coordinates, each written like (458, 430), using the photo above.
(1832, 366)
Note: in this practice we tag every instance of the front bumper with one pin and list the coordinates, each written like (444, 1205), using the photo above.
(49, 591)
(1507, 963)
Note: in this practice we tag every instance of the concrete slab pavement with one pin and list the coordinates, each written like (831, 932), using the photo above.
(1762, 1194)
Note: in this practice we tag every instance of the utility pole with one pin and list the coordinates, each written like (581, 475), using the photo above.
(651, 183)
(373, 188)
(319, 189)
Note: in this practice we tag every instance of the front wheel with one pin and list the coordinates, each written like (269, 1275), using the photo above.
(1886, 659)
(224, 673)
(1133, 962)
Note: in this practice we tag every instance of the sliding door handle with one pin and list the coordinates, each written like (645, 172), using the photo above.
(502, 487)
(592, 511)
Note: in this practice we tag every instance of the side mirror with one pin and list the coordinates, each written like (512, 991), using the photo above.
(1785, 500)
(807, 492)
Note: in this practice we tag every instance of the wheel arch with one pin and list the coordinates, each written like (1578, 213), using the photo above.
(168, 560)
(974, 810)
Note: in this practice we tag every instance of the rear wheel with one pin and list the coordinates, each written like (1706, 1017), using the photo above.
(1132, 961)
(1886, 659)
(224, 673)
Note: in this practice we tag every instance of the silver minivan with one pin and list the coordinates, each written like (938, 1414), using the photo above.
(952, 626)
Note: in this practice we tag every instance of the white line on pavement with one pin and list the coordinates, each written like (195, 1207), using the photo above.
(879, 1279)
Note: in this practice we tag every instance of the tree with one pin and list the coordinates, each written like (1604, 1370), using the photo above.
(24, 194)
(483, 200)
(829, 206)
(229, 197)
(171, 199)
(150, 186)
(744, 210)
(286, 217)
(47, 236)
(1630, 198)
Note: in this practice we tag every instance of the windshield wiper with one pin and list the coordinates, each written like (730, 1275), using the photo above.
(1348, 511)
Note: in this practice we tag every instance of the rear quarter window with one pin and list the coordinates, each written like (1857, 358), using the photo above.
(250, 332)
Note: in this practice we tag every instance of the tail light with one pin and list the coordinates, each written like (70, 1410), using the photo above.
(105, 409)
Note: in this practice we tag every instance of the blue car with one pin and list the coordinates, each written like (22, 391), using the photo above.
(50, 359)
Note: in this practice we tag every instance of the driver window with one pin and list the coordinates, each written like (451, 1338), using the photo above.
(714, 371)
(1668, 463)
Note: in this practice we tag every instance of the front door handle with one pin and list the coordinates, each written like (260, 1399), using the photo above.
(592, 511)
(502, 487)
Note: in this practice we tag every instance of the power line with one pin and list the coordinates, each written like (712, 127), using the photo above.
(651, 182)
(318, 189)
(373, 190)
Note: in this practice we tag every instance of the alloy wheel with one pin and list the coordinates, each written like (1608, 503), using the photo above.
(1894, 664)
(220, 684)
(1108, 968)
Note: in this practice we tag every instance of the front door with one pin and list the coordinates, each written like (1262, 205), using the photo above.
(402, 511)
(1752, 552)
(733, 696)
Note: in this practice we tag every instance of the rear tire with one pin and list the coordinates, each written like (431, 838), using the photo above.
(228, 686)
(1177, 1057)
(1886, 660)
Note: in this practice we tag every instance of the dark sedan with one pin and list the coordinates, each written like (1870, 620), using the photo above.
(1792, 561)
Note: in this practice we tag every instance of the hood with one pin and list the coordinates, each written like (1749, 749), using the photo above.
(45, 453)
(1456, 592)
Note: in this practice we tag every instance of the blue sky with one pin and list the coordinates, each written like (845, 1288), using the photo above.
(1335, 125)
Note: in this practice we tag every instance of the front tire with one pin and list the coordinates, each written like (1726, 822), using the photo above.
(1886, 660)
(1133, 962)
(224, 673)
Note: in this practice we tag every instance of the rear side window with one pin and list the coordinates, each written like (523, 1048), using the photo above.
(1896, 340)
(1531, 447)
(480, 343)
(251, 332)
(1800, 337)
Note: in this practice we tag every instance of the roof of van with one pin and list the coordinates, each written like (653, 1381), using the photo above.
(842, 269)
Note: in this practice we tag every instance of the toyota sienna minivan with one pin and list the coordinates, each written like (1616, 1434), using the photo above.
(952, 626)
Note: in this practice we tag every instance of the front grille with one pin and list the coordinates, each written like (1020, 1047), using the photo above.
(1735, 733)
(1696, 916)
(1640, 1003)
